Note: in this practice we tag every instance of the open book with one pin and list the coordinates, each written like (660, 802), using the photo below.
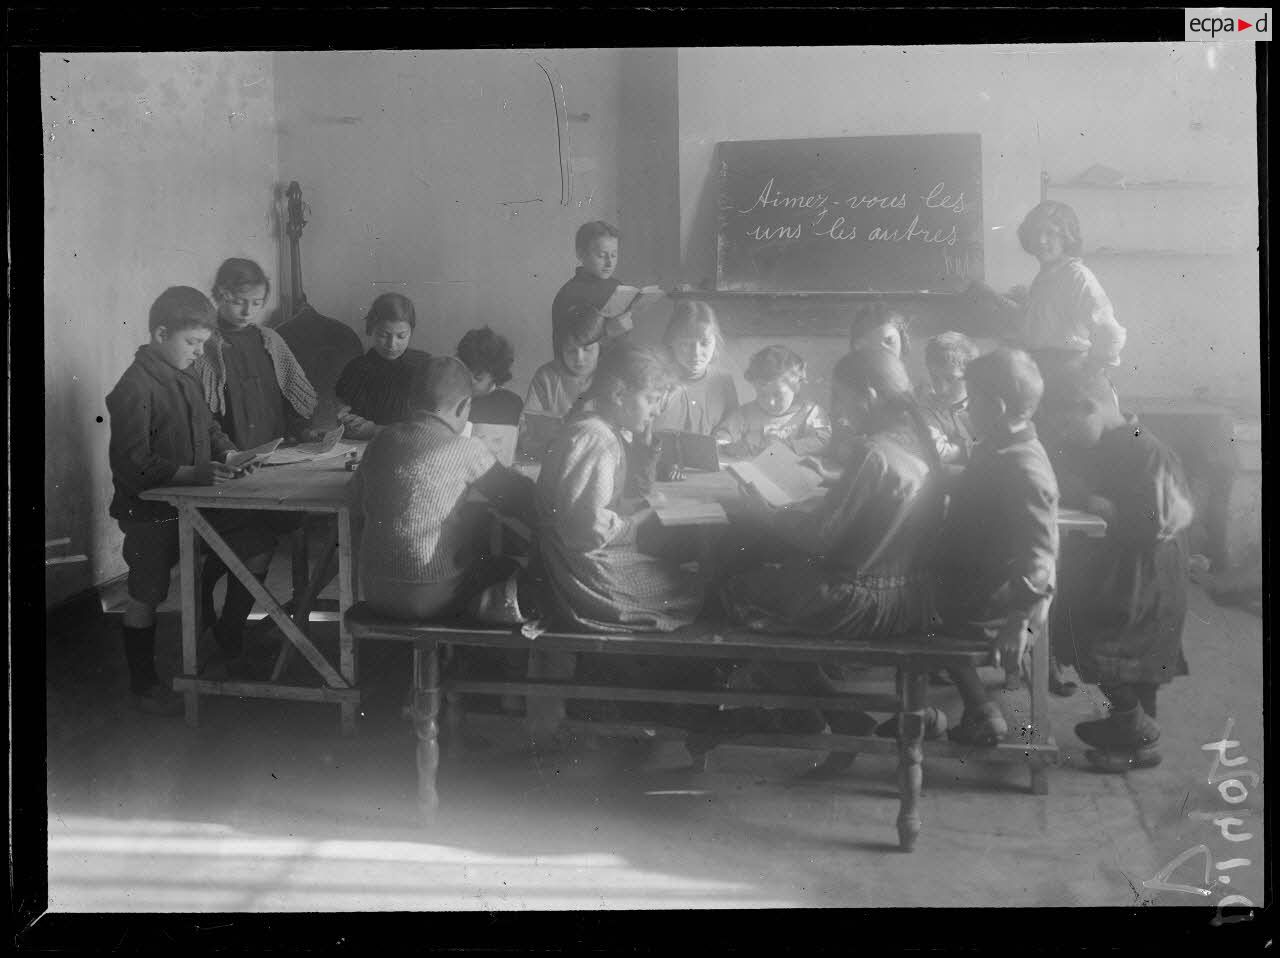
(778, 477)
(304, 452)
(253, 457)
(626, 299)
(679, 511)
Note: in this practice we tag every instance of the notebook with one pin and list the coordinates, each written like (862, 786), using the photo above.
(688, 450)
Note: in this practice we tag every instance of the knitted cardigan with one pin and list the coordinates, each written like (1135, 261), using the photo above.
(211, 369)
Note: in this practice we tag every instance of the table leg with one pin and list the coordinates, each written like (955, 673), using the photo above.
(911, 755)
(1040, 731)
(348, 655)
(189, 563)
(426, 704)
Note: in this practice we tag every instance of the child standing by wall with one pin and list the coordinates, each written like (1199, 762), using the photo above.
(373, 390)
(944, 399)
(489, 357)
(1121, 611)
(777, 414)
(999, 545)
(704, 394)
(596, 244)
(417, 547)
(162, 433)
(597, 579)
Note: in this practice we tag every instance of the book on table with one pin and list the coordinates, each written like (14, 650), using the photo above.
(256, 456)
(688, 450)
(328, 446)
(681, 511)
(778, 477)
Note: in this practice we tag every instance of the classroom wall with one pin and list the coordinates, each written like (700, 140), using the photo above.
(1153, 111)
(437, 174)
(157, 167)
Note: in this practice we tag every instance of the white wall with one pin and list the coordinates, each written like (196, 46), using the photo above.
(436, 174)
(1152, 111)
(157, 167)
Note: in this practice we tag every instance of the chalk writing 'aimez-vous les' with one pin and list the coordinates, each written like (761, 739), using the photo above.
(822, 205)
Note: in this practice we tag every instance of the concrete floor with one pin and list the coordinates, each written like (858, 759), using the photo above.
(265, 807)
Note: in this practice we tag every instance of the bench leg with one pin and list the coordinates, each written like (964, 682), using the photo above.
(911, 755)
(453, 721)
(1039, 780)
(426, 704)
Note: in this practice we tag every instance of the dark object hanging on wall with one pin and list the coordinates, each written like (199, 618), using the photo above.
(322, 344)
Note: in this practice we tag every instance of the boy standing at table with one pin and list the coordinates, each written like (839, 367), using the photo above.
(162, 433)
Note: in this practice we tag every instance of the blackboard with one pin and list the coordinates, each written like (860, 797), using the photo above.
(892, 214)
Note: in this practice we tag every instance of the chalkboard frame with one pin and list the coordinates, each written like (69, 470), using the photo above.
(956, 156)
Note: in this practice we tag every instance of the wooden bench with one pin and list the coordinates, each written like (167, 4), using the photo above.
(913, 657)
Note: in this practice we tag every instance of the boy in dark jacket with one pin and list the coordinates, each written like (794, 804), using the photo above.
(997, 563)
(163, 434)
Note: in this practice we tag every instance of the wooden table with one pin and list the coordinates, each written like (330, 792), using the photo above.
(316, 487)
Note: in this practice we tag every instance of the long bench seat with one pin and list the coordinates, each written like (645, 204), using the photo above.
(913, 656)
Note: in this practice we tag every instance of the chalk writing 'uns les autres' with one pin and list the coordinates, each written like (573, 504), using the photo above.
(1233, 792)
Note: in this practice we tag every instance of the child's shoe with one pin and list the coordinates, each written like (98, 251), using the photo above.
(498, 605)
(1117, 762)
(983, 728)
(935, 725)
(158, 700)
(1120, 731)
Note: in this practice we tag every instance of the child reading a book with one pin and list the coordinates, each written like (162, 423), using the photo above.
(1124, 599)
(704, 394)
(489, 357)
(997, 555)
(944, 399)
(556, 385)
(880, 324)
(857, 564)
(163, 433)
(373, 390)
(597, 578)
(418, 556)
(592, 285)
(777, 414)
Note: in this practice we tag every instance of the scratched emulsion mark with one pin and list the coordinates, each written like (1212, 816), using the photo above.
(1234, 793)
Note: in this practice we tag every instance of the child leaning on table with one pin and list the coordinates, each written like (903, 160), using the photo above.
(373, 390)
(777, 414)
(997, 554)
(418, 552)
(258, 392)
(162, 434)
(1124, 598)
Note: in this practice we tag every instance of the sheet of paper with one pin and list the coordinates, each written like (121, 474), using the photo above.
(501, 440)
